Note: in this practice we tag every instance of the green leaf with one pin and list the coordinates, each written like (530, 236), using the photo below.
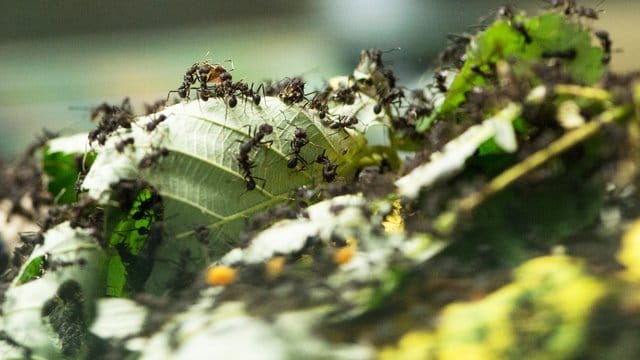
(200, 180)
(32, 270)
(62, 171)
(62, 167)
(116, 277)
(550, 33)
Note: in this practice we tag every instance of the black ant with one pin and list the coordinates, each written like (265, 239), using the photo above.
(568, 54)
(519, 27)
(113, 117)
(149, 206)
(299, 140)
(419, 106)
(567, 5)
(588, 13)
(345, 95)
(441, 81)
(319, 102)
(243, 89)
(154, 107)
(244, 162)
(188, 80)
(293, 91)
(152, 158)
(201, 233)
(455, 50)
(505, 12)
(206, 73)
(328, 169)
(606, 43)
(155, 122)
(388, 98)
(122, 144)
(255, 96)
(343, 121)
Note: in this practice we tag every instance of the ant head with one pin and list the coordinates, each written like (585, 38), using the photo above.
(265, 129)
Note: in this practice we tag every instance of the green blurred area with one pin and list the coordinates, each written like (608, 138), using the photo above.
(57, 59)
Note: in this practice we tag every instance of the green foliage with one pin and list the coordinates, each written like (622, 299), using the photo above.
(32, 270)
(62, 170)
(550, 34)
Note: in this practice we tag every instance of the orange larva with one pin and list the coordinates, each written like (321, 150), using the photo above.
(220, 275)
(275, 266)
(344, 255)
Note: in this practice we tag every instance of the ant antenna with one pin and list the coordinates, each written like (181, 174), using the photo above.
(233, 67)
(391, 50)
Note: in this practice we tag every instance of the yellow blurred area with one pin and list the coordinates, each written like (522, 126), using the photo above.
(542, 314)
(629, 254)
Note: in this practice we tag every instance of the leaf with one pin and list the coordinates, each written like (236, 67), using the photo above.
(60, 164)
(454, 154)
(200, 180)
(550, 33)
(231, 332)
(80, 260)
(118, 318)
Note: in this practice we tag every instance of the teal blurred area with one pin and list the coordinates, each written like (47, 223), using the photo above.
(59, 58)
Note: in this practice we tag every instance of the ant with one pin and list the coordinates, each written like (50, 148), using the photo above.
(122, 144)
(188, 80)
(201, 233)
(152, 158)
(519, 27)
(319, 102)
(155, 122)
(345, 95)
(418, 108)
(113, 117)
(505, 12)
(154, 107)
(328, 169)
(149, 206)
(568, 54)
(244, 162)
(567, 5)
(293, 91)
(299, 140)
(588, 13)
(206, 73)
(343, 122)
(606, 43)
(388, 98)
(254, 95)
(441, 81)
(455, 51)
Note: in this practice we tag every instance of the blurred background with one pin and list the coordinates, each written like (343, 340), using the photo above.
(59, 58)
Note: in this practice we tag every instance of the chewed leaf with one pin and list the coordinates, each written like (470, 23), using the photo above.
(68, 259)
(192, 159)
(200, 178)
(454, 154)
